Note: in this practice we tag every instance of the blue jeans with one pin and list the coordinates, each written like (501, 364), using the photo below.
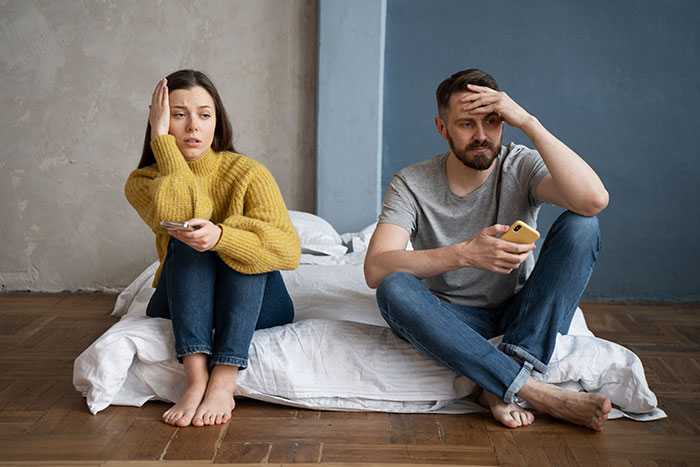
(199, 292)
(456, 336)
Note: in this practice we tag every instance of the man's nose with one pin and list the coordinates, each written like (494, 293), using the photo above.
(479, 133)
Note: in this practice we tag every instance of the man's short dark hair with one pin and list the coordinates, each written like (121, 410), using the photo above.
(458, 83)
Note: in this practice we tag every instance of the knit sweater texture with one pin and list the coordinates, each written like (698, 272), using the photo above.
(231, 190)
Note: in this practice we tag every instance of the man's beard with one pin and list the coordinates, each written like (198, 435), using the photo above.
(480, 161)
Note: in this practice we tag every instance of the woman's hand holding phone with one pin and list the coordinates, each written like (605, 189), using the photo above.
(204, 237)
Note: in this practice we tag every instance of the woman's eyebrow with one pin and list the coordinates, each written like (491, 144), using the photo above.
(206, 106)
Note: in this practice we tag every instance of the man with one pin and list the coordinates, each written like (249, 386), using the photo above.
(462, 285)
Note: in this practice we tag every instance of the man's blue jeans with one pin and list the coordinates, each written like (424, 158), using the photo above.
(199, 292)
(456, 336)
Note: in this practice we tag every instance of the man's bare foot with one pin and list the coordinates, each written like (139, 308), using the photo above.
(218, 401)
(511, 415)
(581, 408)
(182, 413)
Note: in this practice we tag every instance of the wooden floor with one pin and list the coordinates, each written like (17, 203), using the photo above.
(44, 421)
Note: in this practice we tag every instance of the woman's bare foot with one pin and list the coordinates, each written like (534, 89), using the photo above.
(182, 413)
(511, 415)
(218, 403)
(197, 377)
(581, 408)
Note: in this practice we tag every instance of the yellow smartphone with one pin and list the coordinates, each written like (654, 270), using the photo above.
(520, 232)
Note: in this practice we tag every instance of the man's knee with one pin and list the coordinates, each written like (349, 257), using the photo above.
(394, 287)
(578, 230)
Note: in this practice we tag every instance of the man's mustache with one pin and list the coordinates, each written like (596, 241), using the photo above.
(481, 144)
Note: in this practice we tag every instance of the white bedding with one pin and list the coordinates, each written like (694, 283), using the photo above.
(338, 354)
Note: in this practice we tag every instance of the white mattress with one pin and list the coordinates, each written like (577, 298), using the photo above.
(338, 354)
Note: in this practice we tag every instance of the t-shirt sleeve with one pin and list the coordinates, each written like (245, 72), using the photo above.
(399, 207)
(530, 170)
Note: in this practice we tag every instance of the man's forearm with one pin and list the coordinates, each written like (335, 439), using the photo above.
(422, 263)
(579, 187)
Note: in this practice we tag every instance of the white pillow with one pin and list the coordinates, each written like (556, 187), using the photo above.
(316, 235)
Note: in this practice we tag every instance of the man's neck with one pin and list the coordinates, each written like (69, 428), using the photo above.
(463, 180)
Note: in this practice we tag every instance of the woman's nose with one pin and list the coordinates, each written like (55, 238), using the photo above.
(192, 125)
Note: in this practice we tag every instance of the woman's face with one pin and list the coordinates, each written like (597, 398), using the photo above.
(192, 121)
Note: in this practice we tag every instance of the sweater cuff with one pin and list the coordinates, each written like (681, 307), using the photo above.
(167, 155)
(239, 244)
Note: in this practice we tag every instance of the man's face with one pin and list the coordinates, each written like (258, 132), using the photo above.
(475, 139)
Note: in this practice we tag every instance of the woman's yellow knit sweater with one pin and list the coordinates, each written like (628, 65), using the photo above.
(231, 190)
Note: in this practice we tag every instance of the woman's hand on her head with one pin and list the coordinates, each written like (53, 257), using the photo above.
(203, 239)
(159, 117)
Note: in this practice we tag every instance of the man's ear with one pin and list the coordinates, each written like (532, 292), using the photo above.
(441, 127)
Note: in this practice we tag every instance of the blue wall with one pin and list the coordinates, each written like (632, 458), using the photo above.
(619, 82)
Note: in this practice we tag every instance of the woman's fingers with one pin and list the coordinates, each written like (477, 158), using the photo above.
(160, 110)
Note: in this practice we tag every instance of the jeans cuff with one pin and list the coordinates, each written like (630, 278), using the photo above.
(512, 349)
(241, 363)
(191, 349)
(517, 383)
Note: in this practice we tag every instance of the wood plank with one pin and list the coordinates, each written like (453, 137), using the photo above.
(251, 408)
(57, 447)
(408, 454)
(310, 431)
(145, 440)
(557, 450)
(237, 453)
(507, 450)
(18, 423)
(464, 430)
(583, 448)
(530, 448)
(294, 453)
(195, 443)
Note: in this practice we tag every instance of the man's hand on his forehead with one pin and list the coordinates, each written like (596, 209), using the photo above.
(483, 100)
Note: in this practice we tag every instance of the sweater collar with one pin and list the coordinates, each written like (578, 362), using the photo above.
(205, 164)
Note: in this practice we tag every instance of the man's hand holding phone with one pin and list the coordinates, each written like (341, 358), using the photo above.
(200, 234)
(490, 253)
(521, 233)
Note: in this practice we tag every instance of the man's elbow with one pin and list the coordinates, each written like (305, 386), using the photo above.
(372, 277)
(594, 205)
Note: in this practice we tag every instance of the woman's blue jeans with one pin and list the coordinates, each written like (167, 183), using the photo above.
(457, 336)
(199, 293)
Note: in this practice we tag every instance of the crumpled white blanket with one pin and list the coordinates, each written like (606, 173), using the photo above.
(337, 355)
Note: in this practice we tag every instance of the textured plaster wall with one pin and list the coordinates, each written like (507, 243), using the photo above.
(76, 83)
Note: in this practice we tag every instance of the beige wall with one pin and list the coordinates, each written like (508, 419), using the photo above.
(76, 83)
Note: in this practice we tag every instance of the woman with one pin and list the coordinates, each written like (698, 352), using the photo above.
(223, 274)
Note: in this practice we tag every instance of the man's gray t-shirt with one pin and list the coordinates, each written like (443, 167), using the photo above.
(419, 199)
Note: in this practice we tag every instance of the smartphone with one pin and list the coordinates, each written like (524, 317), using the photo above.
(520, 232)
(167, 225)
